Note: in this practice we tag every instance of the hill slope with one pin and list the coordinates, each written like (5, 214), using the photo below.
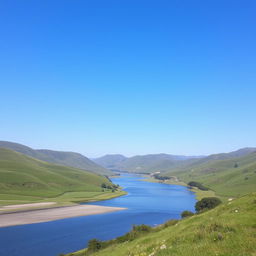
(145, 163)
(22, 176)
(226, 230)
(58, 157)
(110, 161)
(228, 176)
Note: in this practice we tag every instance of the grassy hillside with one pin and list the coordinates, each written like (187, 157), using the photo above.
(25, 179)
(58, 157)
(230, 177)
(228, 230)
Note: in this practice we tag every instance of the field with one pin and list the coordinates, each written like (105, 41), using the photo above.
(228, 230)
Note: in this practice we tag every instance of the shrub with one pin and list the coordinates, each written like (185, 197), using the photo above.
(141, 228)
(207, 203)
(185, 214)
(198, 185)
(170, 223)
(94, 245)
(159, 177)
(103, 185)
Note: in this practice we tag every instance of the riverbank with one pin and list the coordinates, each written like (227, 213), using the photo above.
(199, 193)
(57, 213)
(8, 202)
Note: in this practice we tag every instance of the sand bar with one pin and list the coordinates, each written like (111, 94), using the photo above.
(45, 215)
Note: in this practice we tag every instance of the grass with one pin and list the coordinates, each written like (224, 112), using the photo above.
(227, 230)
(26, 180)
(227, 178)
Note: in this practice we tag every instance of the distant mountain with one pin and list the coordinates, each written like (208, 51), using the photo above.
(58, 157)
(144, 163)
(110, 161)
(237, 153)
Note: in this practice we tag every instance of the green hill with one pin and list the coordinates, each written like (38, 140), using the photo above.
(228, 230)
(227, 176)
(71, 159)
(110, 161)
(144, 163)
(25, 179)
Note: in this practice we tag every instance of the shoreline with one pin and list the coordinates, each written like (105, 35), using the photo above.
(198, 193)
(51, 214)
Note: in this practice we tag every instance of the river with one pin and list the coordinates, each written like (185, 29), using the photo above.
(146, 203)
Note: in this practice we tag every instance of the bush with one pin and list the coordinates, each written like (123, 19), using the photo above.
(159, 177)
(94, 245)
(141, 228)
(207, 203)
(185, 214)
(198, 185)
(103, 185)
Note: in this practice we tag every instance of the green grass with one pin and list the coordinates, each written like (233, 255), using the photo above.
(228, 230)
(70, 159)
(24, 180)
(221, 176)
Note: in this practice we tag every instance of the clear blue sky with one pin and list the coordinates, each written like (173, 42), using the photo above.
(129, 77)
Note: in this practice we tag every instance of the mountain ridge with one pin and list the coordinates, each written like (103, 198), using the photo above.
(71, 159)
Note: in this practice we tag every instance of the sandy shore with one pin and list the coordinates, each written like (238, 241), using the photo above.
(44, 215)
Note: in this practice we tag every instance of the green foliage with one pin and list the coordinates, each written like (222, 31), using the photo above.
(161, 177)
(103, 185)
(141, 228)
(207, 203)
(94, 245)
(197, 185)
(185, 214)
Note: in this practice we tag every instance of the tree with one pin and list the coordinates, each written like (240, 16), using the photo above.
(235, 165)
(103, 185)
(198, 185)
(207, 203)
(185, 214)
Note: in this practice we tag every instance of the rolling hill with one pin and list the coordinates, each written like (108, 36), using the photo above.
(227, 230)
(229, 175)
(144, 163)
(110, 161)
(71, 159)
(26, 178)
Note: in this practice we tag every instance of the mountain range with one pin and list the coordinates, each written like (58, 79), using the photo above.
(70, 159)
(143, 163)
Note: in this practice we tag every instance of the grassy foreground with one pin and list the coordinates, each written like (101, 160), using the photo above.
(228, 230)
(24, 179)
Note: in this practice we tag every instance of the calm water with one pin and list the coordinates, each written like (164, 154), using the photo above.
(148, 203)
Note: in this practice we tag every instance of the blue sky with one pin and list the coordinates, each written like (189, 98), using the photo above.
(129, 77)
